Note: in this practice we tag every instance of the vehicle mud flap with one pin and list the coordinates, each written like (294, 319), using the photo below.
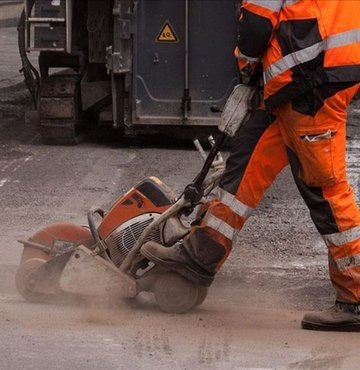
(90, 275)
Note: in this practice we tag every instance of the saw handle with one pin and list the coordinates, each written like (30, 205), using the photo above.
(91, 221)
(194, 191)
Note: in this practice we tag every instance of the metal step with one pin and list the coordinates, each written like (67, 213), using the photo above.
(49, 25)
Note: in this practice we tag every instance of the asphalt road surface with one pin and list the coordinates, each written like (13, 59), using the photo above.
(251, 318)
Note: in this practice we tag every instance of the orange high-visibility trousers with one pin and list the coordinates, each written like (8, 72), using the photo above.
(309, 133)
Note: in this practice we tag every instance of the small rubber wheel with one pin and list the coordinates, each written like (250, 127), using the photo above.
(24, 281)
(202, 294)
(175, 294)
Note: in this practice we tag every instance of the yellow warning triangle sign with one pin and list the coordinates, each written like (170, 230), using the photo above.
(167, 34)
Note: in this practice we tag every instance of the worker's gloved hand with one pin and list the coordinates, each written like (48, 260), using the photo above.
(247, 66)
(247, 69)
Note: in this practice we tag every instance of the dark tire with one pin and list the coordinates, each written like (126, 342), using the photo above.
(175, 294)
(60, 113)
(24, 282)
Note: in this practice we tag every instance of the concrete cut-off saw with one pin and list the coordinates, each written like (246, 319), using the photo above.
(104, 259)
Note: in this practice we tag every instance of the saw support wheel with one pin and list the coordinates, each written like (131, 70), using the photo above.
(202, 294)
(175, 294)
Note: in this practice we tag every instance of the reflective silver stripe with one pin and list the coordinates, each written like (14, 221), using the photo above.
(342, 39)
(347, 262)
(234, 204)
(337, 239)
(293, 59)
(220, 226)
(311, 52)
(274, 5)
(290, 2)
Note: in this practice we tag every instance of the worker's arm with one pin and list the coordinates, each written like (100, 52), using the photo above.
(258, 19)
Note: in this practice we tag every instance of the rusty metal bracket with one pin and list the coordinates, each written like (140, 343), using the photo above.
(125, 29)
(115, 62)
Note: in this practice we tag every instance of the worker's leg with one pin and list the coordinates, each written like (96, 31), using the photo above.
(258, 155)
(314, 129)
(316, 149)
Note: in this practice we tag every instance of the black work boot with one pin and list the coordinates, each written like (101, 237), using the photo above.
(176, 258)
(340, 317)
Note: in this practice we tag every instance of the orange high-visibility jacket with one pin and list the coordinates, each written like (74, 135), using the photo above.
(302, 43)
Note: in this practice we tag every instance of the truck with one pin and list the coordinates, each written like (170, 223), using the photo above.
(129, 66)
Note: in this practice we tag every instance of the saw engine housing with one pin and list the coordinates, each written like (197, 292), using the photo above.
(123, 224)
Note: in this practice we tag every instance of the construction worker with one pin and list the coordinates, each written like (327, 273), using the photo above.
(310, 53)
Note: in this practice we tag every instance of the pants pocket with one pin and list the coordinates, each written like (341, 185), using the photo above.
(316, 153)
